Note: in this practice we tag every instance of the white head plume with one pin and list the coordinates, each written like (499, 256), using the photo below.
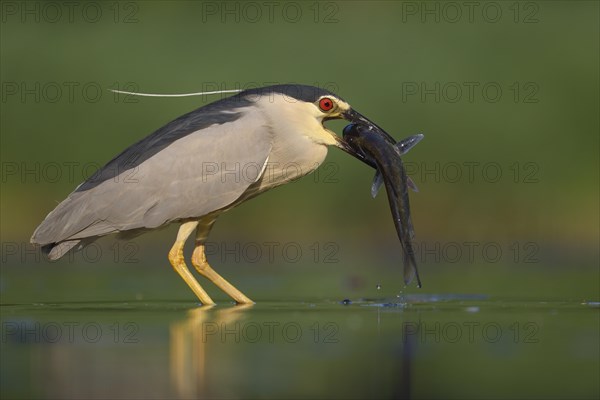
(176, 94)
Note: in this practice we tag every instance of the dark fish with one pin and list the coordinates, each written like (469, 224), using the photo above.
(380, 152)
(402, 147)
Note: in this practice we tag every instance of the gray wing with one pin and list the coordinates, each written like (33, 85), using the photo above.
(196, 173)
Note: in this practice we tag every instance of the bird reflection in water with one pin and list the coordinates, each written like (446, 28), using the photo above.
(188, 346)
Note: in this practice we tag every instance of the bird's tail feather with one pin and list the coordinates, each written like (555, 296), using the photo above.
(54, 251)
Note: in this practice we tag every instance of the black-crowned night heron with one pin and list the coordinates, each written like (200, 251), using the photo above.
(199, 166)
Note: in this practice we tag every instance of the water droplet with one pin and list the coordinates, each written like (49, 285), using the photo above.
(346, 302)
(378, 287)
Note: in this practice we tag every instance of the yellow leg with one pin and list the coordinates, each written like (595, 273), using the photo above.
(199, 261)
(178, 262)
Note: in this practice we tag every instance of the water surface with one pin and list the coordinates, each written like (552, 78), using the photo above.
(413, 346)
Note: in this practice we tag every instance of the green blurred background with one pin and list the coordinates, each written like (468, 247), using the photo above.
(385, 59)
(506, 93)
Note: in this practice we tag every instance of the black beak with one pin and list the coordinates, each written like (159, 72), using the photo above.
(356, 118)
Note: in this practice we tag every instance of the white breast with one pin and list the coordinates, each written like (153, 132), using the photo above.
(299, 140)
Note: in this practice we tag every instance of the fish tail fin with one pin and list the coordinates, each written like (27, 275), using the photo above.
(411, 184)
(377, 182)
(410, 266)
(404, 145)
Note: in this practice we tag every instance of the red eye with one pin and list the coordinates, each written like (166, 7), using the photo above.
(325, 104)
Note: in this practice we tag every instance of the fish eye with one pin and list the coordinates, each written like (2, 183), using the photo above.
(326, 104)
